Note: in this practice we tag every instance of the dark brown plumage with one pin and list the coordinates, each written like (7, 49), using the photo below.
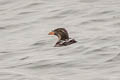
(63, 37)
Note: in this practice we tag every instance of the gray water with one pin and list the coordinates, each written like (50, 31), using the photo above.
(27, 52)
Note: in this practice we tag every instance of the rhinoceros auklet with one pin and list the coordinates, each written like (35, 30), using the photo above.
(63, 37)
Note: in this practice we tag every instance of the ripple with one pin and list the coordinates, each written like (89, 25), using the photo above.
(25, 13)
(54, 17)
(105, 12)
(114, 59)
(34, 4)
(4, 52)
(24, 58)
(39, 43)
(88, 1)
(66, 12)
(13, 74)
(2, 28)
(51, 65)
(5, 2)
(94, 21)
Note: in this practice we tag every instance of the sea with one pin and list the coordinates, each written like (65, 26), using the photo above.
(27, 52)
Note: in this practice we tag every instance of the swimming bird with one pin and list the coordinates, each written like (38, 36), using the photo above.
(63, 37)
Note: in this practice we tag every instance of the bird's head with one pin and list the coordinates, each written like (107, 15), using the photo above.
(61, 33)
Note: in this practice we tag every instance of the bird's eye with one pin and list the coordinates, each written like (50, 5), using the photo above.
(55, 33)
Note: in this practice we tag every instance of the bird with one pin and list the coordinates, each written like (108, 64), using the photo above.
(63, 37)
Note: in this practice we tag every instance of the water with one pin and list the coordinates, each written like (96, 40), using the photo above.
(27, 52)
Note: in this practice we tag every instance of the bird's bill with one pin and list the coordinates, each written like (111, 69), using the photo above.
(51, 33)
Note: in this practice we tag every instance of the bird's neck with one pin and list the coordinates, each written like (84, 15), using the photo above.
(62, 37)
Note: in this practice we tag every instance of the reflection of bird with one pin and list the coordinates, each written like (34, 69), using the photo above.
(63, 37)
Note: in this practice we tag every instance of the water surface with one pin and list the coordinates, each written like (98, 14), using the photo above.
(27, 52)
